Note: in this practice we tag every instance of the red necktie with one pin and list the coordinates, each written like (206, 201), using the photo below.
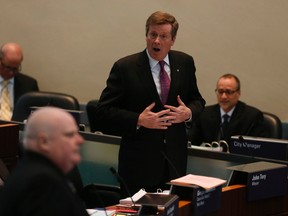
(164, 82)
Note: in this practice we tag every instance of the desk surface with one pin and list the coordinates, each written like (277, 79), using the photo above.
(100, 152)
(234, 202)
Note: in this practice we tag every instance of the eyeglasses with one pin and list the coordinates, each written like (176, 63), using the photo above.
(162, 37)
(227, 92)
(11, 69)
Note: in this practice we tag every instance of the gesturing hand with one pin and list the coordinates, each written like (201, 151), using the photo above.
(152, 120)
(181, 113)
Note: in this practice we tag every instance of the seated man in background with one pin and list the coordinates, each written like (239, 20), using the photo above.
(13, 84)
(39, 185)
(241, 119)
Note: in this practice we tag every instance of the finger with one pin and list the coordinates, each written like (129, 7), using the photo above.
(165, 125)
(166, 118)
(180, 101)
(171, 108)
(150, 107)
(163, 112)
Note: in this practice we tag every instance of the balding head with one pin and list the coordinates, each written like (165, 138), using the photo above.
(12, 52)
(53, 133)
(11, 57)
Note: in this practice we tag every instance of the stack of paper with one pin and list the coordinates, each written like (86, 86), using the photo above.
(100, 212)
(135, 197)
(202, 181)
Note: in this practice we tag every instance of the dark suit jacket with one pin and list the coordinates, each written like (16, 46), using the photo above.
(23, 84)
(245, 120)
(38, 187)
(130, 89)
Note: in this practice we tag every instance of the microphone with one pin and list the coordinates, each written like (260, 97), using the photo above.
(170, 164)
(224, 145)
(121, 181)
(50, 102)
(222, 142)
(241, 139)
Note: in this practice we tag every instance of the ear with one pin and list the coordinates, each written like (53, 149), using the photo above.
(173, 41)
(43, 142)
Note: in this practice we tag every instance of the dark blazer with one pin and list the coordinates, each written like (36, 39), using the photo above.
(130, 89)
(38, 187)
(4, 172)
(23, 84)
(245, 120)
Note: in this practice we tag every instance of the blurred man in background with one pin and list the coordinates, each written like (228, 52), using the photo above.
(13, 84)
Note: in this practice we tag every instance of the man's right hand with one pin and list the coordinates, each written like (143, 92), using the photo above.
(152, 120)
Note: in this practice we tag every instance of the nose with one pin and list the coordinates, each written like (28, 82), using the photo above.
(223, 95)
(80, 139)
(157, 39)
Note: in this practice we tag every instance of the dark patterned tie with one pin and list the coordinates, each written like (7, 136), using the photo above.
(164, 82)
(225, 125)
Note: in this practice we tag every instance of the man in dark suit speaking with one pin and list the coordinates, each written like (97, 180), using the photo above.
(148, 98)
(228, 117)
(12, 81)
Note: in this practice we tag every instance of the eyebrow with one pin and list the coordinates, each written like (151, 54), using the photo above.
(70, 133)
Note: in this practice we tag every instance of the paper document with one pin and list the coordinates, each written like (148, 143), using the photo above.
(98, 212)
(202, 181)
(135, 197)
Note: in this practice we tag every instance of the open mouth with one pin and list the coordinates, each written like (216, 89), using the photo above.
(156, 49)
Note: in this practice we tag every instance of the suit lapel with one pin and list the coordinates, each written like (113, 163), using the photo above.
(145, 76)
(236, 115)
(16, 89)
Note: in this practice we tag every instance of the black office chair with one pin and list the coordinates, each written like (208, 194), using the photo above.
(98, 126)
(23, 106)
(101, 195)
(95, 195)
(273, 125)
(90, 109)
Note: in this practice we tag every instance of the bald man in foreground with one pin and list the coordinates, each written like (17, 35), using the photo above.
(38, 185)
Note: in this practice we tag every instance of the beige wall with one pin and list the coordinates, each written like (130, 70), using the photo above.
(70, 45)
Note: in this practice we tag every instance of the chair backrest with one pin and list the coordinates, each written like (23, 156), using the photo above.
(100, 195)
(23, 106)
(273, 125)
(94, 195)
(90, 109)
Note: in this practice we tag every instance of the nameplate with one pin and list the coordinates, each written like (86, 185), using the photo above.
(260, 147)
(206, 201)
(263, 179)
(203, 201)
(158, 204)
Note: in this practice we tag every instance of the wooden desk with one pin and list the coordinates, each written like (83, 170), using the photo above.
(9, 148)
(185, 208)
(234, 202)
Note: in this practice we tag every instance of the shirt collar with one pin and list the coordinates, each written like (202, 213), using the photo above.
(229, 113)
(9, 81)
(154, 62)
